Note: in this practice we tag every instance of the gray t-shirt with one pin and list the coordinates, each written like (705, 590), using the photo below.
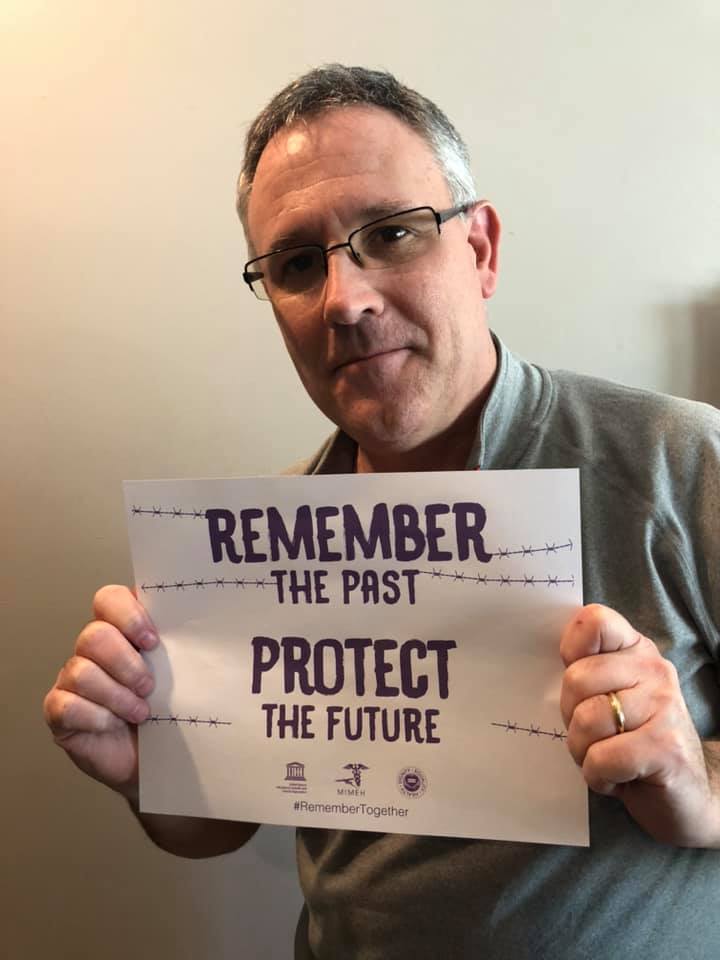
(650, 489)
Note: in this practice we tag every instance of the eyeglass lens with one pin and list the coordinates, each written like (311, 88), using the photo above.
(385, 243)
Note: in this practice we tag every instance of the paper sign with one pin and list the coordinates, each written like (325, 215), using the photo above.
(375, 652)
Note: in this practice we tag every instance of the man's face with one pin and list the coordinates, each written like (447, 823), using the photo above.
(394, 356)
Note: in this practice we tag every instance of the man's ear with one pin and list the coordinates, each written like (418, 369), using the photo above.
(484, 237)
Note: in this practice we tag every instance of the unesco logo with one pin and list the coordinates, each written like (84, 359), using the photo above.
(412, 782)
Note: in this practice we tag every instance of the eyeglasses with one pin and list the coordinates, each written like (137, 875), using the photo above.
(387, 242)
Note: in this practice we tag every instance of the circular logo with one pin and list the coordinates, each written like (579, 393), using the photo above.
(412, 782)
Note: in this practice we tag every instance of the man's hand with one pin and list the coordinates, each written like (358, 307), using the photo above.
(99, 696)
(95, 706)
(667, 779)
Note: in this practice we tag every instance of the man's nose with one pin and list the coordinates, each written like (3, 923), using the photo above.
(349, 290)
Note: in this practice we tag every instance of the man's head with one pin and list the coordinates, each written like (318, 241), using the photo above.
(336, 85)
(399, 357)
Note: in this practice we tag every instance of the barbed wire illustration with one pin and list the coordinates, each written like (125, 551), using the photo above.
(503, 580)
(221, 582)
(532, 731)
(174, 720)
(164, 512)
(549, 548)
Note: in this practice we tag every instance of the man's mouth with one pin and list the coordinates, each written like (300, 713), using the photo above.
(366, 359)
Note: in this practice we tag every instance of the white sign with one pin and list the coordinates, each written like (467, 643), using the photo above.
(374, 652)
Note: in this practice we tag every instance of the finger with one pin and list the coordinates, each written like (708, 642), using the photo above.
(88, 680)
(110, 650)
(596, 629)
(66, 714)
(604, 673)
(623, 759)
(117, 605)
(594, 720)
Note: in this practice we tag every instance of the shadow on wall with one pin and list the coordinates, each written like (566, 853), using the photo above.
(706, 327)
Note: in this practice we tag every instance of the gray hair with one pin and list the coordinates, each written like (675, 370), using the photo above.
(335, 85)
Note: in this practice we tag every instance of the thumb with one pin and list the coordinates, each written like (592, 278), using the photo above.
(596, 629)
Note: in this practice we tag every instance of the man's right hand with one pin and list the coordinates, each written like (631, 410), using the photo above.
(99, 695)
(95, 706)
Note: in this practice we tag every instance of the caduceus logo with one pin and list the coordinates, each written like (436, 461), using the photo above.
(356, 779)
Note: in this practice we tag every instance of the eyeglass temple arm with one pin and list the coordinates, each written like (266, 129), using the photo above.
(454, 211)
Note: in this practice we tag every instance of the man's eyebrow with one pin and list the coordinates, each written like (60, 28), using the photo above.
(306, 234)
(290, 239)
(385, 209)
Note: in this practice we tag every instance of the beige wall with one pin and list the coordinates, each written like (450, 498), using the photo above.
(130, 348)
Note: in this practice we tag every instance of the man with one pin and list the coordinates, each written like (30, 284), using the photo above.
(366, 237)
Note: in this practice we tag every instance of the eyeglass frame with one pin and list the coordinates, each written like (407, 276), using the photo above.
(441, 216)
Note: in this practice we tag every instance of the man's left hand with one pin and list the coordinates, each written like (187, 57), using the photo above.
(667, 778)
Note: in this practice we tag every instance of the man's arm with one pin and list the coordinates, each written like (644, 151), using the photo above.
(668, 779)
(93, 710)
(194, 837)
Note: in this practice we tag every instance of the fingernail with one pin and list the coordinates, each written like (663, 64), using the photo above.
(141, 712)
(148, 639)
(144, 686)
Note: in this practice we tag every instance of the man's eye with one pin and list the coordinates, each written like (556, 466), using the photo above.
(300, 263)
(391, 233)
(295, 270)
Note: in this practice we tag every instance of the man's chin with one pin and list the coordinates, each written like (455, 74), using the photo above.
(383, 428)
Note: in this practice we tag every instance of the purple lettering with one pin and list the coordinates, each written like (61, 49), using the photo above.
(296, 654)
(409, 687)
(407, 528)
(442, 649)
(336, 649)
(262, 664)
(435, 533)
(222, 535)
(325, 534)
(249, 535)
(379, 532)
(302, 535)
(469, 520)
(382, 667)
(359, 645)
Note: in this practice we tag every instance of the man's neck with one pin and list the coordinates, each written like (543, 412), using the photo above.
(447, 451)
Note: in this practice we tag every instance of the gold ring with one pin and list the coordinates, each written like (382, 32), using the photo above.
(618, 712)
